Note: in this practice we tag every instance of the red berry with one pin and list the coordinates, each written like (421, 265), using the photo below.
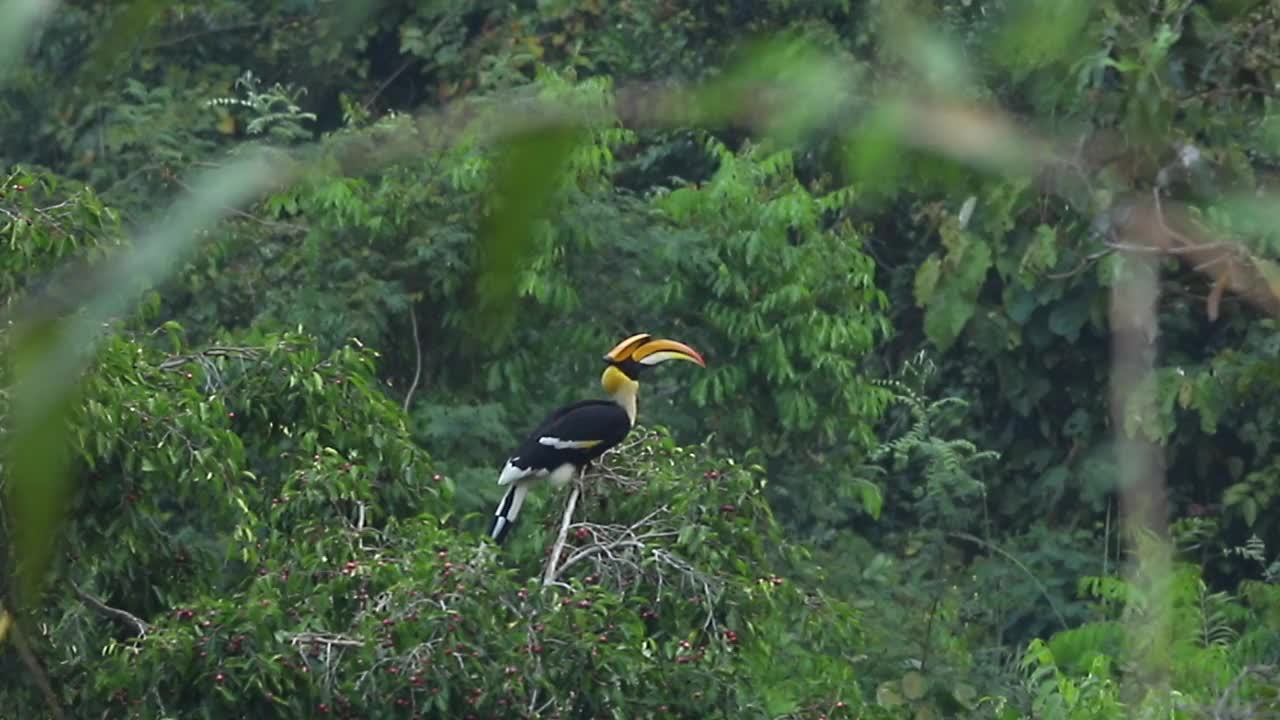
(220, 678)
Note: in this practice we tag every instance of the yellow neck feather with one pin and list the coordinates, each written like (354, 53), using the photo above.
(622, 389)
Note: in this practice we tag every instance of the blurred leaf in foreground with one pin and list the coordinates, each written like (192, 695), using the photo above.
(36, 459)
(1040, 32)
(126, 30)
(46, 355)
(785, 85)
(20, 19)
(530, 167)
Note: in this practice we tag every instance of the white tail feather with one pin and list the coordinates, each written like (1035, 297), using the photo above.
(508, 510)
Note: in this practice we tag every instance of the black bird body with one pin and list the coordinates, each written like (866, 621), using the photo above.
(575, 434)
(571, 437)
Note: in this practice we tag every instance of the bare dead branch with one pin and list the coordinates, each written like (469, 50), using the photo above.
(240, 353)
(114, 613)
(417, 356)
(550, 574)
(1088, 262)
(323, 639)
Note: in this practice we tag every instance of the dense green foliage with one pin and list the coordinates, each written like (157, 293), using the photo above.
(896, 233)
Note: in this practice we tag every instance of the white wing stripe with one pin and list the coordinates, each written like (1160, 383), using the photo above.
(559, 444)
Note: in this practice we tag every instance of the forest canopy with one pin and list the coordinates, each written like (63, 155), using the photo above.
(987, 293)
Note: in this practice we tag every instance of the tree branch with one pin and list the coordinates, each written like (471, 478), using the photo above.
(37, 673)
(549, 575)
(323, 639)
(417, 356)
(102, 608)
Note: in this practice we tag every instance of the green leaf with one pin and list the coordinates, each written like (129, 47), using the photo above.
(887, 694)
(871, 497)
(1041, 254)
(1249, 510)
(927, 279)
(1067, 317)
(946, 317)
(913, 685)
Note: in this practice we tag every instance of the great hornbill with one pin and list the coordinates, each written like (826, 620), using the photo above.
(568, 439)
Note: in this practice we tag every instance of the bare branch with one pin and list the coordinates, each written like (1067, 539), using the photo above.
(242, 353)
(417, 356)
(1085, 264)
(117, 614)
(324, 639)
(550, 574)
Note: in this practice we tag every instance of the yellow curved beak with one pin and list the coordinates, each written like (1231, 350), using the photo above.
(623, 350)
(642, 348)
(659, 351)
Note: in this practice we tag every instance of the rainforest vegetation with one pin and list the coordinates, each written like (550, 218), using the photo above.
(987, 289)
